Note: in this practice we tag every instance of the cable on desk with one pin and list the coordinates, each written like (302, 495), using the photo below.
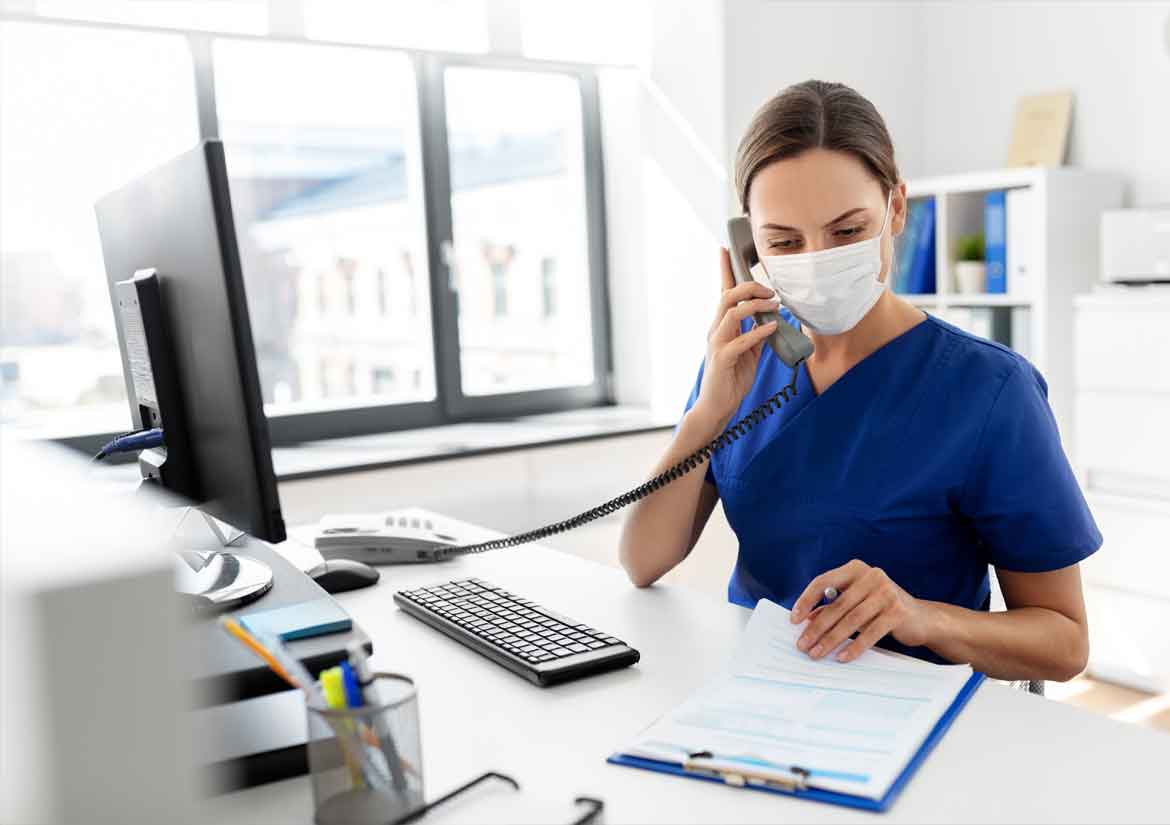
(695, 459)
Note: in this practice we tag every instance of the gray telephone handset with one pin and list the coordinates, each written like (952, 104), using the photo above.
(790, 344)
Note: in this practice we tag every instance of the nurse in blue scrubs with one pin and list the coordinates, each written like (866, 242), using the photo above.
(913, 457)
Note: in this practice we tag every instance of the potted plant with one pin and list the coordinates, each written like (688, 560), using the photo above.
(970, 268)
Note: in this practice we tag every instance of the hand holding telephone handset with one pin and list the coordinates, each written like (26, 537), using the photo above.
(790, 346)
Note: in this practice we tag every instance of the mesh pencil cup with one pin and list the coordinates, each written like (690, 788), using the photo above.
(365, 763)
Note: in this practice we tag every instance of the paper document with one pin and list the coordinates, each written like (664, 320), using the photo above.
(854, 726)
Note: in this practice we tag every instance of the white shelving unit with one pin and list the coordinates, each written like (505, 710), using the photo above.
(1063, 259)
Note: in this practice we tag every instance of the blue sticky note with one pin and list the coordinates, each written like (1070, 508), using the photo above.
(299, 621)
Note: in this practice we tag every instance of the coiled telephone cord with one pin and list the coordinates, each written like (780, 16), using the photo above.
(695, 459)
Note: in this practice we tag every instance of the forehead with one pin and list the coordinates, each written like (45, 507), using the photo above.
(815, 186)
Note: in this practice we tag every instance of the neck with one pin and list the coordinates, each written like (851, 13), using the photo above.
(887, 319)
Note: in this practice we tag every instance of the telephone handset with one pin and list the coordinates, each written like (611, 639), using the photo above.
(790, 345)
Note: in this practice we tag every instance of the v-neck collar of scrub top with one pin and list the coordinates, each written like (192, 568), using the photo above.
(745, 474)
(805, 378)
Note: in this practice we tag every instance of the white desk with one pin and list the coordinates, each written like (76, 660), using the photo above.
(1009, 757)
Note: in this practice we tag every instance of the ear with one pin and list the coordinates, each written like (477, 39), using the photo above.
(900, 206)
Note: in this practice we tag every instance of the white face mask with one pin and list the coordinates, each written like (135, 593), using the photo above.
(829, 291)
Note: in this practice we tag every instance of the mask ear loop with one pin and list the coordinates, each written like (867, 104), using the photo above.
(894, 253)
(886, 219)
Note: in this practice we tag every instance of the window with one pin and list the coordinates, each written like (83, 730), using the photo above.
(421, 235)
(517, 172)
(383, 287)
(327, 194)
(84, 111)
(548, 286)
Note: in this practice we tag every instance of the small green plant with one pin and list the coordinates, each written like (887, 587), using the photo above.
(970, 247)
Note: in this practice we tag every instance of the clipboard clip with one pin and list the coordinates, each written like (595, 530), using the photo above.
(740, 772)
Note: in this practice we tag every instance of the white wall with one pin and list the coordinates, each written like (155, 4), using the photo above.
(980, 57)
(873, 47)
(666, 201)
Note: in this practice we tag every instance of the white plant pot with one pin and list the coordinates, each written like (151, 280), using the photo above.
(971, 276)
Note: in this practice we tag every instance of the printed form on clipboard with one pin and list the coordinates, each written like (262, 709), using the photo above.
(850, 733)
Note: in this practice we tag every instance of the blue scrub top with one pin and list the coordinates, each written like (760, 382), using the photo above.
(932, 458)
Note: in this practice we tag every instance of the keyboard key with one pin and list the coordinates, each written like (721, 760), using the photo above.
(578, 648)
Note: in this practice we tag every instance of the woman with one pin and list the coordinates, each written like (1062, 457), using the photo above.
(913, 454)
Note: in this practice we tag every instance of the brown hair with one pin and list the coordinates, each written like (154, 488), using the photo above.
(809, 115)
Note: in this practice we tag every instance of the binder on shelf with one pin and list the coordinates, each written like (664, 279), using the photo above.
(1019, 205)
(995, 241)
(780, 722)
(921, 278)
(906, 245)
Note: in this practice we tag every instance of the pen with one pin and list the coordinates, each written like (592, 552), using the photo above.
(274, 654)
(233, 627)
(359, 662)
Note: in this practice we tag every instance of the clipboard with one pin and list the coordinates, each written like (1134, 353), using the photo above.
(796, 784)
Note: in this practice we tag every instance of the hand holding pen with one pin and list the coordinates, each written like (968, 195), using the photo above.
(868, 606)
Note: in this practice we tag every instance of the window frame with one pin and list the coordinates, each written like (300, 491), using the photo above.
(450, 405)
(433, 121)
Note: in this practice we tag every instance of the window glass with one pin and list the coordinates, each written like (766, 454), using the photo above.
(520, 235)
(323, 159)
(84, 112)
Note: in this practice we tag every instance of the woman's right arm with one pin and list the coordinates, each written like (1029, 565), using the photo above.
(663, 527)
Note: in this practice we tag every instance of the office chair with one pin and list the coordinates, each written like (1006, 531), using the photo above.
(1035, 686)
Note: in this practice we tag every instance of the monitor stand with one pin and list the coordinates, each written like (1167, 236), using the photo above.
(216, 580)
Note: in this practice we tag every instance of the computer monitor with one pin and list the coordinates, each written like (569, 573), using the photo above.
(174, 274)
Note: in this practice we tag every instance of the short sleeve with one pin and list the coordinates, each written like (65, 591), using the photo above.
(691, 399)
(1020, 492)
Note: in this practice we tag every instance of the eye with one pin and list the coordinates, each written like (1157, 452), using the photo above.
(786, 244)
(849, 231)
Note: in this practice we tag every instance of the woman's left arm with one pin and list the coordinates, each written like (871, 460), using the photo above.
(1042, 635)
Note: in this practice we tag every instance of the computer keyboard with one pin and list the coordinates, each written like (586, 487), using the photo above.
(532, 641)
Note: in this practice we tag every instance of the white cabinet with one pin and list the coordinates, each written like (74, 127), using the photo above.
(1122, 455)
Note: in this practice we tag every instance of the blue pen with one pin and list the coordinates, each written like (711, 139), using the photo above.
(353, 691)
(358, 667)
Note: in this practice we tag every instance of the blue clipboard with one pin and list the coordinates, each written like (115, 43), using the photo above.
(831, 797)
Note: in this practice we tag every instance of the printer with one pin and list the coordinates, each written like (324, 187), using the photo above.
(1135, 245)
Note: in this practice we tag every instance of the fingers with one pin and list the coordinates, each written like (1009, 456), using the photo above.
(839, 577)
(860, 616)
(752, 340)
(867, 638)
(727, 278)
(743, 292)
(728, 329)
(730, 298)
(829, 616)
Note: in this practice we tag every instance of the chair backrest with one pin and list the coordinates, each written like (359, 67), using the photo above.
(1035, 686)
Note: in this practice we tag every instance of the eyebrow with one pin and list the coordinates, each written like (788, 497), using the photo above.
(837, 219)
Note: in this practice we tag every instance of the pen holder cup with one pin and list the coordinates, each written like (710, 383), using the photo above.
(366, 762)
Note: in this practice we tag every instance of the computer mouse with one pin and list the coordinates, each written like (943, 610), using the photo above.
(340, 575)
